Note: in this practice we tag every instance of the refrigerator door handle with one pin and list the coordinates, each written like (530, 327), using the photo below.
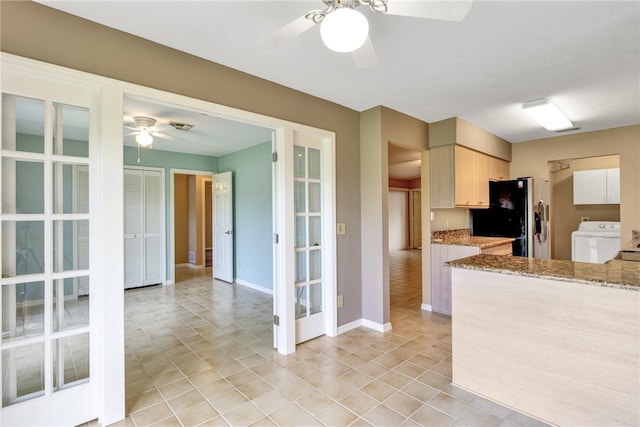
(541, 222)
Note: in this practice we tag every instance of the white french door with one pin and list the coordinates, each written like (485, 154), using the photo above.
(49, 342)
(223, 226)
(312, 278)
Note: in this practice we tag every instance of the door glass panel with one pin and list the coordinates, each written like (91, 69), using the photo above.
(301, 231)
(70, 130)
(301, 302)
(70, 245)
(315, 230)
(70, 361)
(315, 264)
(299, 197)
(22, 311)
(299, 162)
(23, 246)
(70, 304)
(314, 163)
(70, 188)
(301, 267)
(315, 298)
(23, 373)
(314, 197)
(23, 124)
(22, 186)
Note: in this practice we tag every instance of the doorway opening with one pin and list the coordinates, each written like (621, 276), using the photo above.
(405, 231)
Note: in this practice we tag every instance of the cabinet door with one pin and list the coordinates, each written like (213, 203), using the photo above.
(467, 171)
(590, 187)
(498, 169)
(441, 274)
(613, 185)
(441, 165)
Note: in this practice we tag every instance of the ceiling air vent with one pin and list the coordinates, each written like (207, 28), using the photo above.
(181, 126)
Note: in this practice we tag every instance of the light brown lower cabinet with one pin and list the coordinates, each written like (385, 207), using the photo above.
(441, 274)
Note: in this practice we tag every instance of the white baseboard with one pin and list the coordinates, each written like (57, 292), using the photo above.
(254, 286)
(376, 326)
(184, 264)
(426, 307)
(349, 326)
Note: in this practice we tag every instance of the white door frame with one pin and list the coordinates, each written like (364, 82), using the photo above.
(171, 276)
(108, 229)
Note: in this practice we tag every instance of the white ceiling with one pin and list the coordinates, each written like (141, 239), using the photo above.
(210, 135)
(584, 55)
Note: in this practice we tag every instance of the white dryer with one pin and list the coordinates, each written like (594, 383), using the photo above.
(595, 241)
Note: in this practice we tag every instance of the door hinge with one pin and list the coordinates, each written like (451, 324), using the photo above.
(276, 320)
(274, 157)
(275, 238)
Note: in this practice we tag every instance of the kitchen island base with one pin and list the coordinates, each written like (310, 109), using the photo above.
(563, 352)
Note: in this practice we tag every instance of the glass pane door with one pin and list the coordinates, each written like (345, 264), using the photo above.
(45, 280)
(308, 242)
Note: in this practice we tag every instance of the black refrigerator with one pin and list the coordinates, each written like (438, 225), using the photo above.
(509, 214)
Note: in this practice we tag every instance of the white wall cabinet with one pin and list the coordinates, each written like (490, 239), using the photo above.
(596, 187)
(143, 227)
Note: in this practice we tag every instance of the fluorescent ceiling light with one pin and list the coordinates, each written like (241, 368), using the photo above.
(547, 114)
(344, 30)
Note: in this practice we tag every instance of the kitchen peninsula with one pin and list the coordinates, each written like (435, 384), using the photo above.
(557, 340)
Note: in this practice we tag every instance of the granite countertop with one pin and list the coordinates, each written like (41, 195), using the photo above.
(479, 241)
(463, 237)
(615, 273)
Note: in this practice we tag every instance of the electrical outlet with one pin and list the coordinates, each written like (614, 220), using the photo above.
(341, 228)
(340, 301)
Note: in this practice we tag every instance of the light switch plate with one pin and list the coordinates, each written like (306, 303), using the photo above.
(341, 228)
(340, 301)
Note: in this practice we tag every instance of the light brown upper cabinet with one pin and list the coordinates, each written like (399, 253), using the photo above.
(460, 176)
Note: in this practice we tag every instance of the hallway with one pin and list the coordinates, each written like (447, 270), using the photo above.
(200, 353)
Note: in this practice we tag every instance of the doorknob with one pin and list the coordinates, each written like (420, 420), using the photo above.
(228, 232)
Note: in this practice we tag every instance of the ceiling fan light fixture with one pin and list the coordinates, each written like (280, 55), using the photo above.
(144, 138)
(547, 114)
(344, 30)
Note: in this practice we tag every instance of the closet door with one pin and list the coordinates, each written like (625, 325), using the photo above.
(143, 225)
(133, 215)
(153, 226)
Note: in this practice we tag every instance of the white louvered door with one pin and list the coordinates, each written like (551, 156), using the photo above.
(143, 227)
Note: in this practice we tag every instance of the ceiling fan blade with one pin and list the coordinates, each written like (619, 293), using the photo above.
(365, 57)
(287, 32)
(165, 136)
(452, 10)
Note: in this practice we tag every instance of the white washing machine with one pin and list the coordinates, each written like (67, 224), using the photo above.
(595, 241)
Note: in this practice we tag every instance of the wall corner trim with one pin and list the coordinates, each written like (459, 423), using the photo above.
(426, 307)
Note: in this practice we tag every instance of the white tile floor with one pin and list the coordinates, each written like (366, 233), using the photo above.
(200, 353)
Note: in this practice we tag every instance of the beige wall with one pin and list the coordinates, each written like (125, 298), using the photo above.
(380, 126)
(565, 216)
(530, 159)
(35, 31)
(181, 218)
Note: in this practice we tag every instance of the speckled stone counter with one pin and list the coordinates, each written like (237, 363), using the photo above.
(615, 273)
(557, 340)
(462, 237)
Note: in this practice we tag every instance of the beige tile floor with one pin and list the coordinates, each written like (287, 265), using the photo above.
(200, 353)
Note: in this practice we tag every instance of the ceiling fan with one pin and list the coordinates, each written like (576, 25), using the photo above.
(145, 129)
(345, 29)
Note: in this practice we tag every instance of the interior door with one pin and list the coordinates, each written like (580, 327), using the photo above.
(48, 338)
(308, 236)
(223, 226)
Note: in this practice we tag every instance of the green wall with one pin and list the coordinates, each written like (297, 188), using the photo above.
(253, 223)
